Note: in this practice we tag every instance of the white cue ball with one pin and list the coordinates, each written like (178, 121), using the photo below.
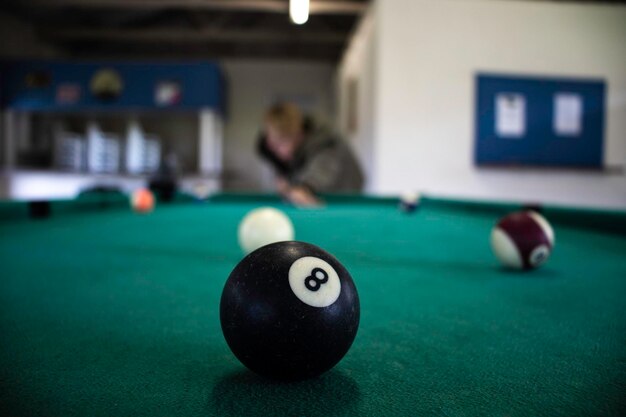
(409, 201)
(263, 226)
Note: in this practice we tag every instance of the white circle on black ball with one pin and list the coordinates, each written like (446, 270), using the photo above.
(314, 281)
(539, 255)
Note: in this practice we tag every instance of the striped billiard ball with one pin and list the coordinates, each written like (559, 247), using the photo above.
(522, 240)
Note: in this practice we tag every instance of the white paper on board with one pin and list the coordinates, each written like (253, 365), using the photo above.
(510, 115)
(568, 114)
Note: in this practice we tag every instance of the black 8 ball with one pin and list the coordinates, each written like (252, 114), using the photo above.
(289, 311)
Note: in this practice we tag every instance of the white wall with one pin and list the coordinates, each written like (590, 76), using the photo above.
(252, 87)
(428, 52)
(357, 66)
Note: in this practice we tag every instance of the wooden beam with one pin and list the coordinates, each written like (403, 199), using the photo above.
(191, 36)
(114, 50)
(267, 6)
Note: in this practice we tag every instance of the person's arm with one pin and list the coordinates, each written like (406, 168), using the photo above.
(297, 195)
(302, 197)
(321, 173)
(318, 175)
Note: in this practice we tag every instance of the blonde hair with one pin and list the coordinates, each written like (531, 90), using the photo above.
(286, 118)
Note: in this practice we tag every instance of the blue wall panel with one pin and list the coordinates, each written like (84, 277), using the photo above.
(540, 144)
(201, 85)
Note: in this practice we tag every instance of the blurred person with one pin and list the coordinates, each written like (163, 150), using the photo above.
(308, 160)
(164, 181)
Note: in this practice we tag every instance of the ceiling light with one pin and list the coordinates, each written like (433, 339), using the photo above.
(299, 11)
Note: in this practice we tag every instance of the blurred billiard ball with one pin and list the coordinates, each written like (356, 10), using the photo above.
(142, 201)
(522, 240)
(263, 226)
(409, 202)
(289, 311)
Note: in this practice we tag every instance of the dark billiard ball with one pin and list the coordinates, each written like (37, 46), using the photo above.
(289, 311)
(522, 240)
(409, 202)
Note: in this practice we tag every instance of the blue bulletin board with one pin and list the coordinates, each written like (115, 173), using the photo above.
(535, 121)
(111, 85)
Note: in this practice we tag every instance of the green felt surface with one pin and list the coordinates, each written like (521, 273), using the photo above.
(105, 312)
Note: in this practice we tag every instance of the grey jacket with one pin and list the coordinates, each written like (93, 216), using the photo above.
(325, 164)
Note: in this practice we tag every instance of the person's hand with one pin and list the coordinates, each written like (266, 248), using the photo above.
(302, 197)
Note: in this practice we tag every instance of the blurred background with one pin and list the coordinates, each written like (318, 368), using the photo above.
(504, 100)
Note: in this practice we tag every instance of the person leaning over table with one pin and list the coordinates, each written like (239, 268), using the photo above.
(308, 160)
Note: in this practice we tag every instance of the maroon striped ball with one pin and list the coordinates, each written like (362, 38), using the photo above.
(522, 240)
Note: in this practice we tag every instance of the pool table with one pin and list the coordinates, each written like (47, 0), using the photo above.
(105, 312)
